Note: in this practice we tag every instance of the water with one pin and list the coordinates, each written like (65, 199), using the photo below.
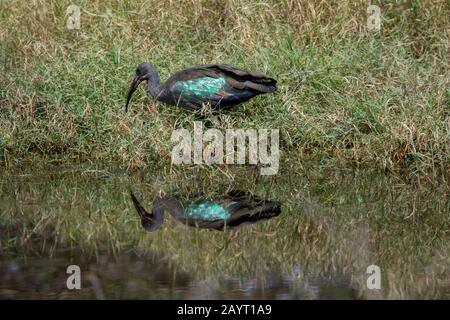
(334, 224)
(130, 276)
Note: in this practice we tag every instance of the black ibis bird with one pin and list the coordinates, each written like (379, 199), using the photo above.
(218, 85)
(234, 209)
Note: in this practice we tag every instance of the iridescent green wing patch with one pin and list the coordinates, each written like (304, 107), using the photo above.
(207, 210)
(202, 88)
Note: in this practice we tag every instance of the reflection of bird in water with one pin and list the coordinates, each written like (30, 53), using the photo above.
(218, 85)
(235, 209)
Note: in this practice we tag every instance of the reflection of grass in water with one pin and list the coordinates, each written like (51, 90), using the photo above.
(332, 222)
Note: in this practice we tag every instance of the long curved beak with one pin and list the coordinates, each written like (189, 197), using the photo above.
(134, 85)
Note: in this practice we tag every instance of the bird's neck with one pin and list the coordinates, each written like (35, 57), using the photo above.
(158, 214)
(155, 220)
(172, 205)
(154, 86)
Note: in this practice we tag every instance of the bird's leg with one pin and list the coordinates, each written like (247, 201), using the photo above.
(203, 116)
(204, 110)
(199, 115)
(212, 117)
(154, 107)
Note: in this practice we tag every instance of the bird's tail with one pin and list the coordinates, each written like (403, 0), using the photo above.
(267, 210)
(262, 84)
(249, 80)
(252, 208)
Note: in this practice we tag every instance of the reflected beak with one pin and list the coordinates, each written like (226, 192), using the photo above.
(143, 214)
(136, 81)
(149, 221)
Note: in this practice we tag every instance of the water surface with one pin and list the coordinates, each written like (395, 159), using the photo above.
(334, 224)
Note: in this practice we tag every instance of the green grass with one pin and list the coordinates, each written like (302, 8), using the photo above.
(346, 95)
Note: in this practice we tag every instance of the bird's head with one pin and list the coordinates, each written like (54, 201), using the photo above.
(143, 72)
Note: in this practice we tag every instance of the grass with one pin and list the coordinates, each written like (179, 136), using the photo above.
(346, 95)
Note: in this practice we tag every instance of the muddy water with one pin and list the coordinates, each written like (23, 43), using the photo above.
(133, 277)
(332, 227)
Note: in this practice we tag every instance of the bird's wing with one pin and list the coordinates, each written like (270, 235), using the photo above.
(262, 210)
(203, 88)
(218, 84)
(241, 79)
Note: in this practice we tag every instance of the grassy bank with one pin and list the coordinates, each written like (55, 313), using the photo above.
(346, 94)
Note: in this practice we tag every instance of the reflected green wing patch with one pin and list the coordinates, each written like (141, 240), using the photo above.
(207, 210)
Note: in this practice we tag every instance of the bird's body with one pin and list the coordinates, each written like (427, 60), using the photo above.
(218, 85)
(228, 212)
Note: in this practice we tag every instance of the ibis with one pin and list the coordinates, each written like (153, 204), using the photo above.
(220, 86)
(234, 209)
